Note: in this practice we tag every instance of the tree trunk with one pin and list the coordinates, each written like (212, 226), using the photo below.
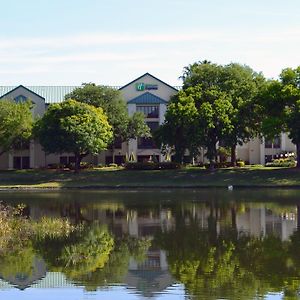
(298, 217)
(298, 155)
(113, 154)
(233, 155)
(78, 159)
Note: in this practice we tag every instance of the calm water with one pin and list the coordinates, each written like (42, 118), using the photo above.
(178, 244)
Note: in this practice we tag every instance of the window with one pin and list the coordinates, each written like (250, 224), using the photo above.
(21, 162)
(21, 145)
(66, 160)
(118, 143)
(150, 111)
(276, 143)
(268, 158)
(268, 144)
(20, 98)
(148, 143)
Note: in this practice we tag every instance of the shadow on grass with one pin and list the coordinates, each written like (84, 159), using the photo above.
(152, 178)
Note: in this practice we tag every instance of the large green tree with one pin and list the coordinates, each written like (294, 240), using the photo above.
(241, 85)
(197, 117)
(281, 102)
(177, 132)
(124, 127)
(74, 127)
(244, 86)
(15, 123)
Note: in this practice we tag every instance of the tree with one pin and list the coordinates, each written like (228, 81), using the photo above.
(215, 120)
(114, 106)
(176, 131)
(15, 123)
(281, 102)
(74, 127)
(198, 118)
(241, 85)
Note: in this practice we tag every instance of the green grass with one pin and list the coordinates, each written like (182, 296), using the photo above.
(188, 177)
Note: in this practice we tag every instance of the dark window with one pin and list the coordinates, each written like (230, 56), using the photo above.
(17, 162)
(277, 142)
(21, 162)
(25, 162)
(63, 160)
(22, 145)
(118, 143)
(268, 143)
(149, 111)
(20, 98)
(148, 143)
(268, 158)
(119, 159)
(67, 160)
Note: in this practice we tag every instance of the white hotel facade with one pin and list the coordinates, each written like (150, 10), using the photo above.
(147, 94)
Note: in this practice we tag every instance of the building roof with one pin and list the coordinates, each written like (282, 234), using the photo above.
(148, 74)
(56, 94)
(51, 94)
(147, 98)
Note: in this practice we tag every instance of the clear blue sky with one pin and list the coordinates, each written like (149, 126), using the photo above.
(67, 42)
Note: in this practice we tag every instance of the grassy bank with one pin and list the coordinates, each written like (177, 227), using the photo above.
(119, 178)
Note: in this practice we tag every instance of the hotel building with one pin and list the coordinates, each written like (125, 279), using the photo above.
(146, 94)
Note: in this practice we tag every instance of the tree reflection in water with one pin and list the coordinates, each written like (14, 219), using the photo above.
(208, 246)
(224, 263)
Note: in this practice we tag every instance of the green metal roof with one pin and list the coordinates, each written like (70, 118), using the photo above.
(147, 98)
(52, 94)
(56, 94)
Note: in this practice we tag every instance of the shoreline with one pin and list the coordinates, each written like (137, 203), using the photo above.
(129, 187)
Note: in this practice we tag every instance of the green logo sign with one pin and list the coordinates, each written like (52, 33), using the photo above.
(141, 86)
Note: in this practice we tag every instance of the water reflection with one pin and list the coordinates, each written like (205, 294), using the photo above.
(219, 245)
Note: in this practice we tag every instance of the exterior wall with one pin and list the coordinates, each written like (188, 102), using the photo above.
(130, 92)
(254, 151)
(4, 161)
(38, 102)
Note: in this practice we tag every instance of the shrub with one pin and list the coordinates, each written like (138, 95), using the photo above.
(113, 165)
(240, 164)
(224, 154)
(86, 165)
(282, 162)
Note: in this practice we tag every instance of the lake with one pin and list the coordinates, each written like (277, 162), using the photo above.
(170, 244)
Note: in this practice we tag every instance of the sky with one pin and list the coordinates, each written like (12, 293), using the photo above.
(111, 42)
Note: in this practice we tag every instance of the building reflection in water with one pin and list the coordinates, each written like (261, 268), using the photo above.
(152, 275)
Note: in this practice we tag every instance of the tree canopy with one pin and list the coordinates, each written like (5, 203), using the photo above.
(74, 127)
(15, 123)
(281, 103)
(236, 86)
(124, 127)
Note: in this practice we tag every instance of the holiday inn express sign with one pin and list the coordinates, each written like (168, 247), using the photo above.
(141, 86)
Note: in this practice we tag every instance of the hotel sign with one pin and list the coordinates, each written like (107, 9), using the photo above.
(141, 86)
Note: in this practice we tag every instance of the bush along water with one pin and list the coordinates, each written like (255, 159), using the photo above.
(87, 253)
